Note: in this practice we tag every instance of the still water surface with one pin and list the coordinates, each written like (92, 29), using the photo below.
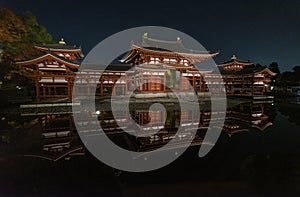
(257, 154)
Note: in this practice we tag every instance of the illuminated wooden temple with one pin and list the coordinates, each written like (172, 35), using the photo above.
(154, 66)
(159, 63)
(244, 79)
(53, 72)
(147, 69)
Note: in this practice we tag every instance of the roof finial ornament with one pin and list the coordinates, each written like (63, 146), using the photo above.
(178, 39)
(62, 41)
(233, 57)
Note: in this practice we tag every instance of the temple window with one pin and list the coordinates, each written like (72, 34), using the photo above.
(184, 62)
(154, 60)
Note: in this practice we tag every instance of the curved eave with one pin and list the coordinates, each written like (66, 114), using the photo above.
(152, 69)
(41, 58)
(54, 158)
(201, 71)
(171, 53)
(58, 50)
(234, 63)
(263, 127)
(167, 44)
(268, 71)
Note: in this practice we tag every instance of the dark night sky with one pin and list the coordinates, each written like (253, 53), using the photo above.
(262, 31)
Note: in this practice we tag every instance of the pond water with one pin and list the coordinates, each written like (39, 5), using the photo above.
(257, 154)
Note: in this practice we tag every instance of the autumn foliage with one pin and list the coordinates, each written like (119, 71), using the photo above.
(18, 35)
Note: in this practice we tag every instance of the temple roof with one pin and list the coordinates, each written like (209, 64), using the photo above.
(250, 70)
(47, 56)
(234, 60)
(175, 46)
(57, 47)
(60, 46)
(168, 49)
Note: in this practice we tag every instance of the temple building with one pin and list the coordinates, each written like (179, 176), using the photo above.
(242, 78)
(153, 66)
(160, 64)
(54, 71)
(158, 67)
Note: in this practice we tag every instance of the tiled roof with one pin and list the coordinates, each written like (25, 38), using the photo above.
(59, 46)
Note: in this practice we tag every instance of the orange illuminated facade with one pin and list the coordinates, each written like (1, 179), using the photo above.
(144, 69)
(244, 79)
(53, 73)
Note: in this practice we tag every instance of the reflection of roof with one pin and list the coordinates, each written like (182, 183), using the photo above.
(56, 156)
(263, 126)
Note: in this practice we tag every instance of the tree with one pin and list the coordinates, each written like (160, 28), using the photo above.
(12, 28)
(274, 67)
(36, 34)
(18, 35)
(258, 65)
(296, 69)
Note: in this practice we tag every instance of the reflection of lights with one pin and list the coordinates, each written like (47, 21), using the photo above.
(272, 103)
(258, 83)
(272, 87)
(98, 112)
(257, 115)
(18, 87)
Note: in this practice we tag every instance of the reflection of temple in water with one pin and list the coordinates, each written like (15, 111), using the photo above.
(56, 140)
(245, 116)
(162, 126)
(145, 130)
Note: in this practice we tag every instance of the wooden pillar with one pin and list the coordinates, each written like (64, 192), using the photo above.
(252, 91)
(88, 86)
(134, 83)
(101, 87)
(150, 82)
(141, 82)
(55, 93)
(194, 84)
(37, 89)
(69, 90)
(44, 91)
(165, 81)
(114, 86)
(126, 85)
(200, 83)
(243, 84)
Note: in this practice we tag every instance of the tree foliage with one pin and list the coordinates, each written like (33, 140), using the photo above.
(36, 33)
(18, 35)
(12, 28)
(289, 78)
(274, 67)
